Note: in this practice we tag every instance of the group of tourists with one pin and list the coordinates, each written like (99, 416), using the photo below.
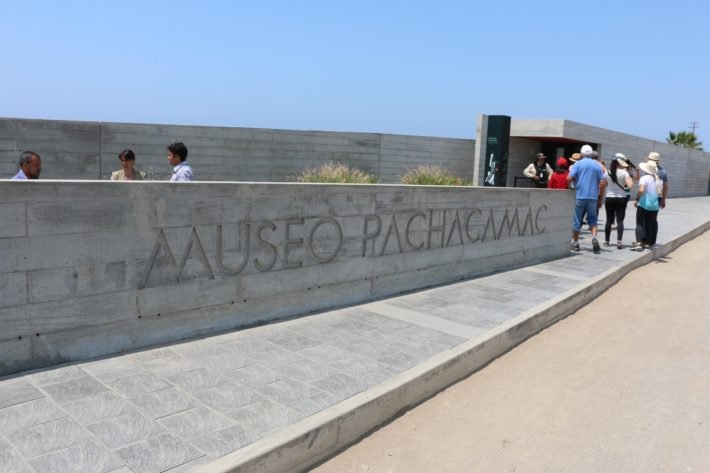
(596, 184)
(30, 165)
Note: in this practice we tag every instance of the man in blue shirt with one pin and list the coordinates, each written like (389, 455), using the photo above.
(30, 166)
(177, 157)
(589, 185)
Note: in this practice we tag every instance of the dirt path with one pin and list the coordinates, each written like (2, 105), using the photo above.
(623, 385)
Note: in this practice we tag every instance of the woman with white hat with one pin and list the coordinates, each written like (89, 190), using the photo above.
(618, 181)
(647, 205)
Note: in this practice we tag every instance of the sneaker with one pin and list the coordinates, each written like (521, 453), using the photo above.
(646, 247)
(574, 246)
(636, 246)
(595, 245)
(606, 243)
(619, 245)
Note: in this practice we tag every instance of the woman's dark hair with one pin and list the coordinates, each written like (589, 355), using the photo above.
(179, 149)
(613, 166)
(128, 155)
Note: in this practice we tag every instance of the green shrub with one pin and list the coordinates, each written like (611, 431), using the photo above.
(336, 173)
(431, 176)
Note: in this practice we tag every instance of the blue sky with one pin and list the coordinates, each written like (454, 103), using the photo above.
(410, 67)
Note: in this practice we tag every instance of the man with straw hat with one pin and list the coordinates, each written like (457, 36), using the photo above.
(590, 185)
(647, 206)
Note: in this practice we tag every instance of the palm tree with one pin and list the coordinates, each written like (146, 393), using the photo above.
(686, 139)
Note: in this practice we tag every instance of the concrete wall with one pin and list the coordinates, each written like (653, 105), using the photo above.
(89, 150)
(90, 268)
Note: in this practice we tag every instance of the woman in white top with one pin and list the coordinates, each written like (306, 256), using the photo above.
(647, 206)
(617, 181)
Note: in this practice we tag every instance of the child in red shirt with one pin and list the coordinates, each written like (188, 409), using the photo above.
(558, 180)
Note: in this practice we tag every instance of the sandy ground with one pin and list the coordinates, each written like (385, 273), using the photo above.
(623, 385)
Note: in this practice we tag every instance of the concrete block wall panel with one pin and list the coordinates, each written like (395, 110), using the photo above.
(537, 127)
(99, 267)
(69, 150)
(402, 153)
(521, 153)
(86, 150)
(239, 154)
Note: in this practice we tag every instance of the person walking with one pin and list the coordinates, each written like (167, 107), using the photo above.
(590, 185)
(618, 181)
(647, 205)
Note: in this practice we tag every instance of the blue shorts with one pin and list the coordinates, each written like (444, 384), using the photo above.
(581, 206)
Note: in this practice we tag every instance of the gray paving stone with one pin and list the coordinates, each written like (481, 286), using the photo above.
(165, 402)
(246, 345)
(124, 429)
(350, 325)
(401, 361)
(112, 368)
(294, 342)
(341, 338)
(377, 377)
(199, 349)
(44, 438)
(274, 356)
(74, 389)
(197, 380)
(28, 414)
(196, 422)
(55, 375)
(378, 321)
(226, 361)
(83, 457)
(253, 375)
(95, 408)
(170, 365)
(158, 453)
(194, 466)
(371, 349)
(306, 370)
(360, 366)
(325, 353)
(137, 385)
(151, 354)
(340, 385)
(11, 462)
(327, 334)
(314, 404)
(14, 392)
(123, 469)
(285, 391)
(218, 444)
(263, 416)
(4, 445)
(226, 397)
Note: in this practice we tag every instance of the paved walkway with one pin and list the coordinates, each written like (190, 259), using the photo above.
(619, 386)
(179, 407)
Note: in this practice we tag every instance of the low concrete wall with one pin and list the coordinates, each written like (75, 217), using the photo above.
(91, 268)
(89, 150)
